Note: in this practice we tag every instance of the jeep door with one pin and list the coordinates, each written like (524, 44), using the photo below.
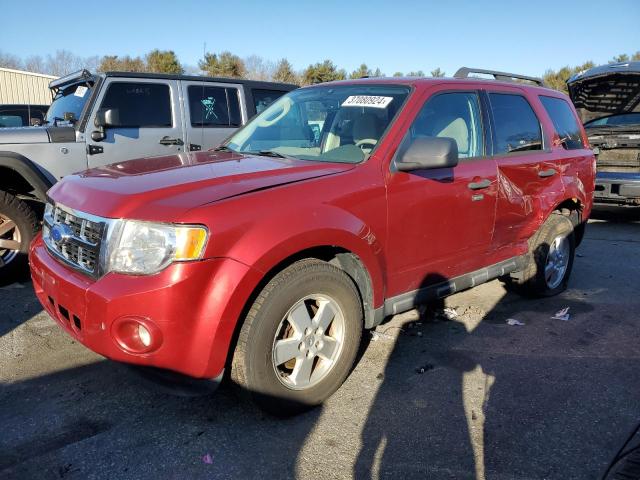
(529, 176)
(213, 111)
(146, 116)
(441, 220)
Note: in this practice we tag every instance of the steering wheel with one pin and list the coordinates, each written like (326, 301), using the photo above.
(371, 142)
(286, 106)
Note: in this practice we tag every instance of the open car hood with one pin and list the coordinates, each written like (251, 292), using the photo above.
(607, 89)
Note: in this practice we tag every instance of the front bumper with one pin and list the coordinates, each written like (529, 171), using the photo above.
(617, 188)
(191, 310)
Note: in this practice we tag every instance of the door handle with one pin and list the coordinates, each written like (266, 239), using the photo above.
(480, 185)
(547, 173)
(171, 141)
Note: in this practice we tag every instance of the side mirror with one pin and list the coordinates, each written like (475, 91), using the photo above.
(107, 118)
(428, 152)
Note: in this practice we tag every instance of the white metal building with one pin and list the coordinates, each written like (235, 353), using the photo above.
(21, 87)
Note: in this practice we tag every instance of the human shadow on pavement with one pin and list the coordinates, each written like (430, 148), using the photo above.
(456, 395)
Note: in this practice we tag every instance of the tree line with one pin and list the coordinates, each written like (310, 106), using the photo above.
(254, 67)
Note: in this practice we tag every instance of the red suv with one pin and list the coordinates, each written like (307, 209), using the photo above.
(337, 206)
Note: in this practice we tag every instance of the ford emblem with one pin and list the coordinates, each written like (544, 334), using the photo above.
(60, 233)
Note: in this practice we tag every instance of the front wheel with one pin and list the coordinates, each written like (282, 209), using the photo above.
(18, 226)
(300, 338)
(550, 260)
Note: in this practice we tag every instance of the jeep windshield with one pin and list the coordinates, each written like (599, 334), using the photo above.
(337, 123)
(69, 99)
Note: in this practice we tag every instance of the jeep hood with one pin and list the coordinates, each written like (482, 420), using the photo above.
(607, 89)
(164, 188)
(37, 135)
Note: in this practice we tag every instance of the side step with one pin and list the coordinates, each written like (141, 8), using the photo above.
(406, 301)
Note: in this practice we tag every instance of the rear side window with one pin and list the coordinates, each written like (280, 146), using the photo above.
(214, 106)
(263, 98)
(517, 128)
(564, 121)
(7, 120)
(139, 105)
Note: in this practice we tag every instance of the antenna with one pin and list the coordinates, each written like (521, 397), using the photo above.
(204, 54)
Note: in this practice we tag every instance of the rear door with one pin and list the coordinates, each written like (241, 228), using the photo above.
(529, 176)
(441, 220)
(213, 111)
(149, 120)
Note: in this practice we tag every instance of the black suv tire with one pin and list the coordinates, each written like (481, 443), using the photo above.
(21, 224)
(549, 261)
(302, 294)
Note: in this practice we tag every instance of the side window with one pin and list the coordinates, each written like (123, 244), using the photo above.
(139, 105)
(263, 98)
(9, 118)
(454, 115)
(214, 106)
(517, 128)
(564, 121)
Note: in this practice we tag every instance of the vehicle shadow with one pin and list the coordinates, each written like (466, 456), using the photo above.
(19, 304)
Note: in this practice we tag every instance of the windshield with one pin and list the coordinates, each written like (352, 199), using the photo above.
(68, 99)
(615, 120)
(331, 124)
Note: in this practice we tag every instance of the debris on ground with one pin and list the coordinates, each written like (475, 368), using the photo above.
(515, 322)
(562, 315)
(424, 368)
(380, 376)
(375, 336)
(208, 459)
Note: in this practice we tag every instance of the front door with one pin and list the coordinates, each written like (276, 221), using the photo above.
(148, 121)
(441, 220)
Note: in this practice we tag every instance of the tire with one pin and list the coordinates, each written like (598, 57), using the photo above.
(279, 388)
(553, 244)
(23, 226)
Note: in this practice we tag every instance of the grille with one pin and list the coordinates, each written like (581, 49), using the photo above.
(74, 237)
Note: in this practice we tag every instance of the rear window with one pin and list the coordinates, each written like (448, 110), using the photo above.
(214, 106)
(517, 128)
(564, 121)
(263, 98)
(139, 105)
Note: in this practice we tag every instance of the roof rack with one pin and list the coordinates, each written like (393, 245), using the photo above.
(503, 76)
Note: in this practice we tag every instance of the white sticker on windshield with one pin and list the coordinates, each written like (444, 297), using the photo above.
(81, 91)
(367, 101)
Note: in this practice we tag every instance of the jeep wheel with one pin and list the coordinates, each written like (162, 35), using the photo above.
(18, 226)
(550, 260)
(300, 338)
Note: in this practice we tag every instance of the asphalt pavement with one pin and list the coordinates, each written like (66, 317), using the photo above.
(455, 395)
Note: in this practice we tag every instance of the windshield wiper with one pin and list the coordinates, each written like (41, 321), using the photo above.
(270, 153)
(223, 148)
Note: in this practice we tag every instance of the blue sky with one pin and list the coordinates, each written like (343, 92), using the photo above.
(393, 35)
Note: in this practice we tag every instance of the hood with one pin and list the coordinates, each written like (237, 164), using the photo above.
(164, 188)
(37, 135)
(607, 89)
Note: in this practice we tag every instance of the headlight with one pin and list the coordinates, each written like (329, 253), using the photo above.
(144, 248)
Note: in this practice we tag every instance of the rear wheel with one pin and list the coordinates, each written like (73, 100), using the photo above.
(18, 226)
(549, 262)
(300, 338)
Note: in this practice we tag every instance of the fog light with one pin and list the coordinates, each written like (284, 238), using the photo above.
(144, 335)
(136, 335)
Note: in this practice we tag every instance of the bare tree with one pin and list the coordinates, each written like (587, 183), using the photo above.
(257, 68)
(8, 60)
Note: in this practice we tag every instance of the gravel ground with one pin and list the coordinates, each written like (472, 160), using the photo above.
(468, 397)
